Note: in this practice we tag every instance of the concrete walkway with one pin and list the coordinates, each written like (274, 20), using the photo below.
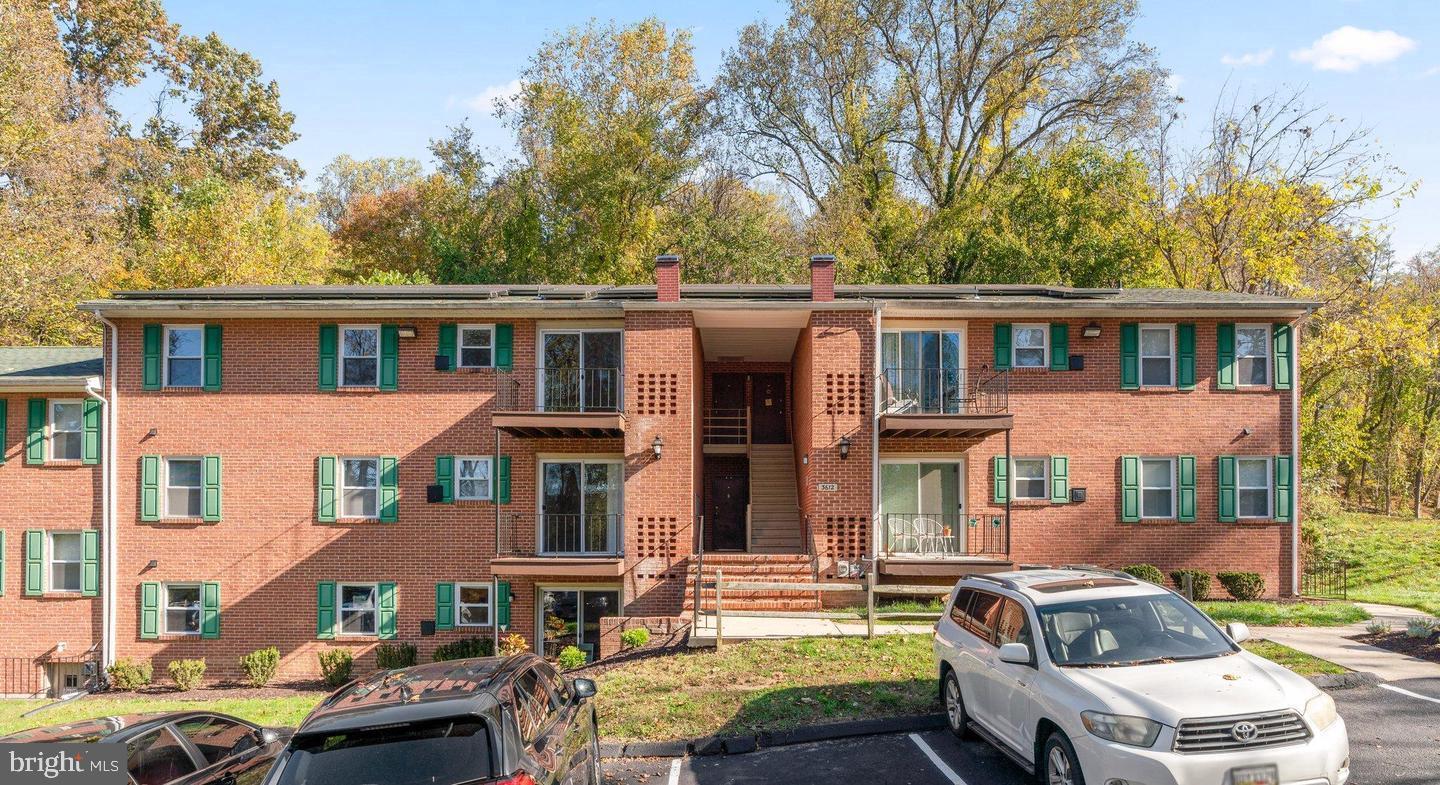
(1334, 644)
(750, 628)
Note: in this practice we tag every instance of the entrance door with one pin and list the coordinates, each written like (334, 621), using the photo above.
(727, 391)
(729, 493)
(922, 508)
(571, 617)
(767, 409)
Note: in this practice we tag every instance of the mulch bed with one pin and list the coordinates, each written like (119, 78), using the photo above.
(675, 645)
(229, 690)
(1398, 641)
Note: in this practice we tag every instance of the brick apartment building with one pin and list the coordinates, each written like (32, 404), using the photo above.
(315, 467)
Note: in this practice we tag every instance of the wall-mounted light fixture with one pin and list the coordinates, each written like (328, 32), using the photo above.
(658, 446)
(406, 331)
(153, 564)
(844, 447)
(1092, 330)
(153, 433)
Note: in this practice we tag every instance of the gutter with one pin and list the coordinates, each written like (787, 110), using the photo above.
(1295, 460)
(875, 533)
(107, 494)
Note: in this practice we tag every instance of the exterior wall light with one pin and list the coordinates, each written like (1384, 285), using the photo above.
(1092, 330)
(844, 447)
(406, 331)
(658, 446)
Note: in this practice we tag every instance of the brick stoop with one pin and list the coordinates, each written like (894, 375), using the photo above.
(769, 568)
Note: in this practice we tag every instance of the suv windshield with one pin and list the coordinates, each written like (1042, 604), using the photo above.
(438, 752)
(1129, 631)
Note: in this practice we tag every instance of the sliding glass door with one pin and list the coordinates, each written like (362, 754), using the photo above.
(922, 509)
(924, 371)
(580, 507)
(571, 617)
(580, 370)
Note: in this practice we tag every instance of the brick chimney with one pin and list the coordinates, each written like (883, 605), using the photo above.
(822, 279)
(667, 278)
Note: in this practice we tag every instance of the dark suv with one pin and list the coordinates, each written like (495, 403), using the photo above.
(501, 720)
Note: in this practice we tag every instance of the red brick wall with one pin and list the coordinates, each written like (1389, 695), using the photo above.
(664, 631)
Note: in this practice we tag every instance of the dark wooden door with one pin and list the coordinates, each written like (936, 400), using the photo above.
(767, 409)
(727, 391)
(729, 493)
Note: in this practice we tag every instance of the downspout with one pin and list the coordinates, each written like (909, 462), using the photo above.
(875, 534)
(108, 526)
(1295, 459)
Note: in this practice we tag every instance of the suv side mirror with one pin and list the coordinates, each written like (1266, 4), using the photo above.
(1238, 631)
(584, 689)
(1015, 654)
(268, 736)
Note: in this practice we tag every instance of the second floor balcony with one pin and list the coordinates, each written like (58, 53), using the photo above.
(939, 401)
(566, 401)
(573, 544)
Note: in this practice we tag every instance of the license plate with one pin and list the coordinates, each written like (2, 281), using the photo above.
(1255, 775)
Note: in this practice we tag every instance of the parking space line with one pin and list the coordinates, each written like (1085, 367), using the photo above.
(674, 772)
(1403, 691)
(944, 768)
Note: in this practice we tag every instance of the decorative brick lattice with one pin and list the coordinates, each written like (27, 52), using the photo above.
(844, 536)
(657, 537)
(844, 393)
(656, 393)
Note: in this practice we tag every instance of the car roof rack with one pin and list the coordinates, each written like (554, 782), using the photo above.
(1101, 570)
(1006, 582)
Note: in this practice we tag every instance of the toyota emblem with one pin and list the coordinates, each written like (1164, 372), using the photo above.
(1244, 731)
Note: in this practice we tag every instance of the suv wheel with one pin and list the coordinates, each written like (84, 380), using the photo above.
(1060, 766)
(955, 716)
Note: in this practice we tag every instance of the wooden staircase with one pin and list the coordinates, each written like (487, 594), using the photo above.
(774, 500)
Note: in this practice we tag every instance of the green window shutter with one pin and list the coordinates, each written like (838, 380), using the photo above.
(502, 604)
(150, 370)
(325, 610)
(149, 487)
(1185, 356)
(1130, 488)
(1059, 479)
(35, 434)
(4, 427)
(329, 355)
(502, 480)
(1282, 338)
(90, 428)
(214, 344)
(1059, 346)
(89, 563)
(1284, 495)
(504, 346)
(1225, 355)
(389, 357)
(1186, 490)
(385, 623)
(1002, 480)
(34, 562)
(149, 610)
(1227, 488)
(1129, 356)
(1002, 345)
(210, 481)
(210, 610)
(447, 345)
(325, 492)
(444, 606)
(445, 477)
(389, 490)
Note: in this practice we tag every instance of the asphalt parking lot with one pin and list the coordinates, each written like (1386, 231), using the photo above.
(1394, 740)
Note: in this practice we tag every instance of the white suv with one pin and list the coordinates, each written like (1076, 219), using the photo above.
(1090, 676)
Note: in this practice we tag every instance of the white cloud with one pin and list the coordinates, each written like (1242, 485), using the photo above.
(487, 99)
(1247, 59)
(1433, 70)
(1173, 82)
(1348, 48)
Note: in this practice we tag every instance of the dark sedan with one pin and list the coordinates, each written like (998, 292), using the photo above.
(176, 748)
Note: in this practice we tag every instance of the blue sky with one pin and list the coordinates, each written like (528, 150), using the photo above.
(373, 78)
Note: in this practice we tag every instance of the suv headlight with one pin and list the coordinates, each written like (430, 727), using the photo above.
(1135, 731)
(1320, 712)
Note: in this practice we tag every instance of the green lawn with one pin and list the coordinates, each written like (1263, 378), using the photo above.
(1297, 661)
(1394, 558)
(278, 711)
(1285, 614)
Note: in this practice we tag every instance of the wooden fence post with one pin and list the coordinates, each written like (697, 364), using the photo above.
(719, 614)
(870, 602)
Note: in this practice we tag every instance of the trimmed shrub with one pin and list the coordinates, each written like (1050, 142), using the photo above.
(1199, 582)
(186, 673)
(389, 656)
(1377, 627)
(464, 649)
(127, 674)
(335, 666)
(635, 638)
(514, 643)
(1146, 572)
(259, 666)
(1242, 585)
(1420, 628)
(571, 657)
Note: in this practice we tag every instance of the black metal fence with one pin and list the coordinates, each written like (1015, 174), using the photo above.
(528, 534)
(943, 391)
(1326, 580)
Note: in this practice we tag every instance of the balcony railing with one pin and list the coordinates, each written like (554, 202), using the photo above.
(563, 390)
(941, 535)
(547, 534)
(942, 391)
(727, 426)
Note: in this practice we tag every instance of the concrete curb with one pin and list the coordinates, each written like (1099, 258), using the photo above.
(738, 745)
(1345, 681)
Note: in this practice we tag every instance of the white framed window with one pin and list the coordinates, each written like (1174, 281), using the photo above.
(184, 355)
(472, 479)
(183, 488)
(477, 345)
(472, 605)
(1252, 355)
(358, 604)
(1030, 344)
(182, 608)
(1253, 483)
(64, 555)
(1157, 487)
(359, 487)
(66, 426)
(360, 356)
(1030, 478)
(1157, 355)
